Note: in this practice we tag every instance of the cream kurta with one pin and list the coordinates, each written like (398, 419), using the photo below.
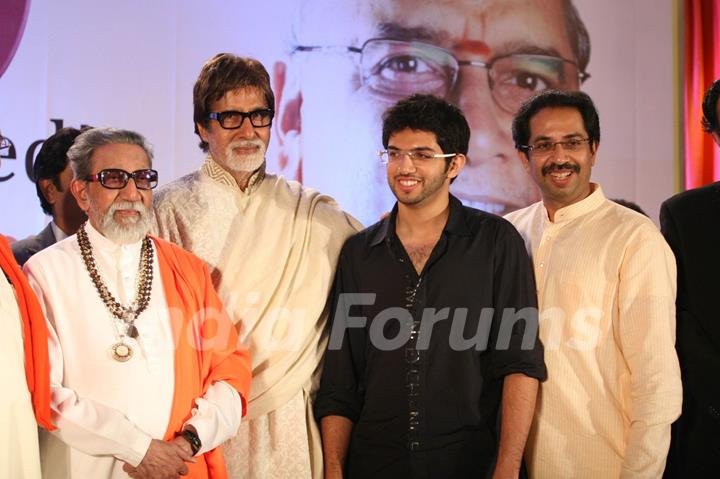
(107, 412)
(272, 252)
(606, 291)
(19, 457)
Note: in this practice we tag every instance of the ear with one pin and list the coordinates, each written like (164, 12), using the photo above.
(48, 189)
(79, 191)
(594, 154)
(287, 125)
(202, 131)
(456, 165)
(524, 160)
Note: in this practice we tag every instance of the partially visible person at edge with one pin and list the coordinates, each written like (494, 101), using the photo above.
(272, 246)
(690, 222)
(24, 368)
(146, 377)
(606, 289)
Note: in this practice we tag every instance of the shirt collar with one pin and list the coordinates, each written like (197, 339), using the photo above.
(456, 223)
(593, 201)
(217, 173)
(59, 233)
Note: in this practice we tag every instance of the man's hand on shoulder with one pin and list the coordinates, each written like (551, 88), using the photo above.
(163, 460)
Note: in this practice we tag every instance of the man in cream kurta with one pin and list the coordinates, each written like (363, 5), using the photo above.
(113, 416)
(272, 248)
(606, 292)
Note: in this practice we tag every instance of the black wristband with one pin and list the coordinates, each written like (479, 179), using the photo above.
(193, 439)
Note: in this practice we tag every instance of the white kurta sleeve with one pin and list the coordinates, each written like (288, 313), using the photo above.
(84, 424)
(217, 415)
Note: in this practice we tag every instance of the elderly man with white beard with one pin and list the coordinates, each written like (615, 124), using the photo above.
(272, 246)
(146, 376)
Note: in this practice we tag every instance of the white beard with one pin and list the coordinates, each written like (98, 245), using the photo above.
(130, 230)
(247, 163)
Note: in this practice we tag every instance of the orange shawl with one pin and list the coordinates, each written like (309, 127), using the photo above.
(206, 347)
(35, 337)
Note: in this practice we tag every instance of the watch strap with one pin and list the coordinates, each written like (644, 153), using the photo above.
(193, 439)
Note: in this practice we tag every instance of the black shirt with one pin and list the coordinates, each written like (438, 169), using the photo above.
(426, 405)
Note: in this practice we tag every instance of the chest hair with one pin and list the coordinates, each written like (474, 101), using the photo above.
(419, 254)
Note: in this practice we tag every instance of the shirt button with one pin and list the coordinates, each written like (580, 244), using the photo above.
(542, 265)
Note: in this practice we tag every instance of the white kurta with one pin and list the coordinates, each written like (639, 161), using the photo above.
(106, 411)
(272, 251)
(19, 440)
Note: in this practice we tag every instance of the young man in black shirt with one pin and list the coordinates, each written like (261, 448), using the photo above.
(434, 322)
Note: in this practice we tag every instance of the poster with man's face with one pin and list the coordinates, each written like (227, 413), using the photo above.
(336, 66)
(486, 57)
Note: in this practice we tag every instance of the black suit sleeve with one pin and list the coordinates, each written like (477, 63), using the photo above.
(699, 357)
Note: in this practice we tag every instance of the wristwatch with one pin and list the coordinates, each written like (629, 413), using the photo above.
(193, 439)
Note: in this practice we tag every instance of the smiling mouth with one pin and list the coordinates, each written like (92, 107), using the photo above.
(408, 182)
(488, 203)
(561, 175)
(487, 206)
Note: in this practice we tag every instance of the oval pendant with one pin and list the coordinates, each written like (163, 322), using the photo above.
(121, 352)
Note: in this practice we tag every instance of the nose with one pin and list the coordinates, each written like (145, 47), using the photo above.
(405, 164)
(131, 191)
(246, 130)
(558, 153)
(490, 125)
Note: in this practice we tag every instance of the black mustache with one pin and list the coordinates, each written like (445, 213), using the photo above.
(559, 167)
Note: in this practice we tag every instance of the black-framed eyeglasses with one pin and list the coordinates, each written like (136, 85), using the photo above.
(543, 149)
(4, 143)
(232, 120)
(395, 69)
(418, 157)
(117, 179)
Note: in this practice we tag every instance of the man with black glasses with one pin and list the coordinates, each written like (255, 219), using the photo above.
(272, 246)
(606, 289)
(485, 56)
(435, 321)
(146, 377)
